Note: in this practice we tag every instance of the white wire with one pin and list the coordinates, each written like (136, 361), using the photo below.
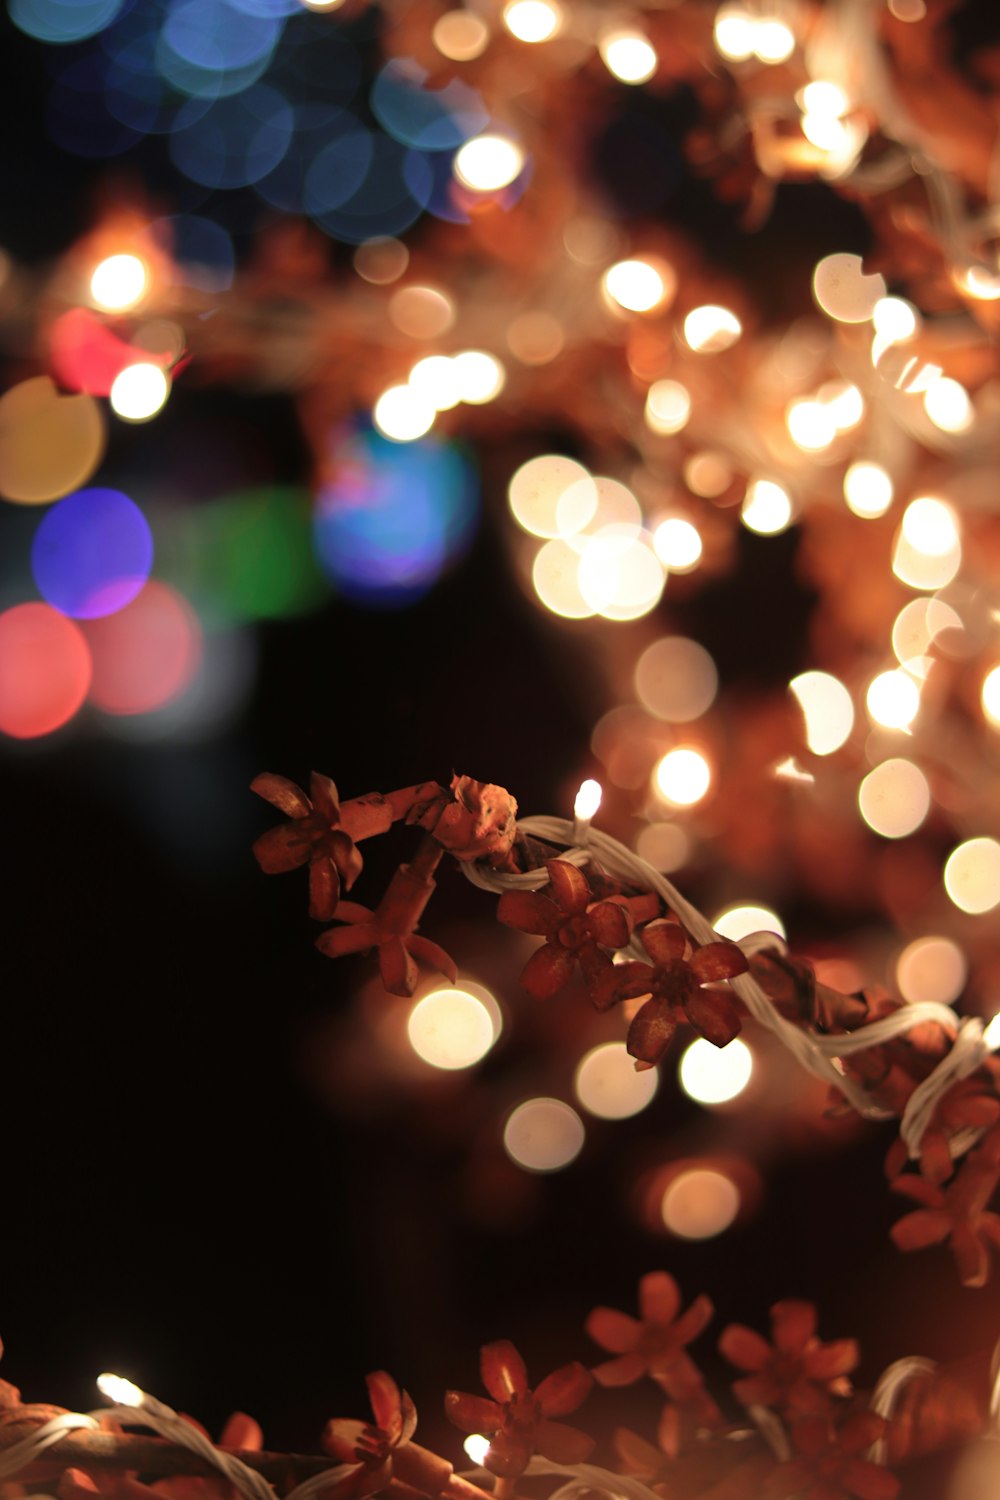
(817, 1054)
(885, 1396)
(46, 1436)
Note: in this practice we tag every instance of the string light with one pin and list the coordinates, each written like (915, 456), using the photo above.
(893, 700)
(487, 163)
(668, 406)
(715, 1075)
(767, 508)
(711, 329)
(629, 56)
(828, 710)
(588, 800)
(119, 282)
(532, 20)
(635, 285)
(139, 392)
(403, 414)
(868, 489)
(683, 776)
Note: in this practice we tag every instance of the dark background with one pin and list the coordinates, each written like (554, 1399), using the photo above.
(184, 1198)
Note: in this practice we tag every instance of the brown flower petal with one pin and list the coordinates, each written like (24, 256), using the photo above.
(744, 1348)
(613, 1330)
(625, 1370)
(340, 1438)
(325, 798)
(793, 1324)
(691, 1323)
(547, 971)
(563, 1391)
(610, 924)
(433, 956)
(638, 1456)
(570, 887)
(324, 889)
(472, 1413)
(562, 1444)
(714, 1015)
(528, 912)
(397, 967)
(354, 938)
(508, 1454)
(241, 1431)
(659, 1297)
(282, 794)
(502, 1370)
(718, 961)
(281, 849)
(927, 1226)
(651, 1031)
(392, 1408)
(664, 941)
(830, 1361)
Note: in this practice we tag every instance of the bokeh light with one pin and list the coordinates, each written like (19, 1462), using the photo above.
(734, 32)
(683, 776)
(947, 404)
(711, 329)
(990, 695)
(919, 624)
(700, 1203)
(451, 1029)
(532, 20)
(766, 508)
(930, 526)
(488, 163)
(828, 710)
(714, 1075)
(637, 285)
(608, 1086)
(678, 545)
(460, 35)
(479, 375)
(741, 920)
(668, 406)
(676, 679)
(63, 21)
(893, 699)
(45, 670)
(477, 1447)
(393, 516)
(382, 260)
(811, 425)
(774, 40)
(555, 576)
(628, 55)
(931, 968)
(894, 798)
(421, 312)
(403, 413)
(972, 875)
(139, 392)
(92, 553)
(843, 291)
(436, 379)
(665, 846)
(619, 574)
(868, 489)
(118, 282)
(49, 443)
(145, 655)
(543, 1135)
(536, 495)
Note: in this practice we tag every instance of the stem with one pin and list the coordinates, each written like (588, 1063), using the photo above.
(503, 1489)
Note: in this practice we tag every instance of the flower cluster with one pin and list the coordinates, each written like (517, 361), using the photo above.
(619, 945)
(803, 1433)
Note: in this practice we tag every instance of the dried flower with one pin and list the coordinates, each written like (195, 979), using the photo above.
(829, 1465)
(479, 824)
(518, 1420)
(957, 1213)
(796, 1374)
(652, 1344)
(384, 1450)
(313, 836)
(674, 985)
(577, 931)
